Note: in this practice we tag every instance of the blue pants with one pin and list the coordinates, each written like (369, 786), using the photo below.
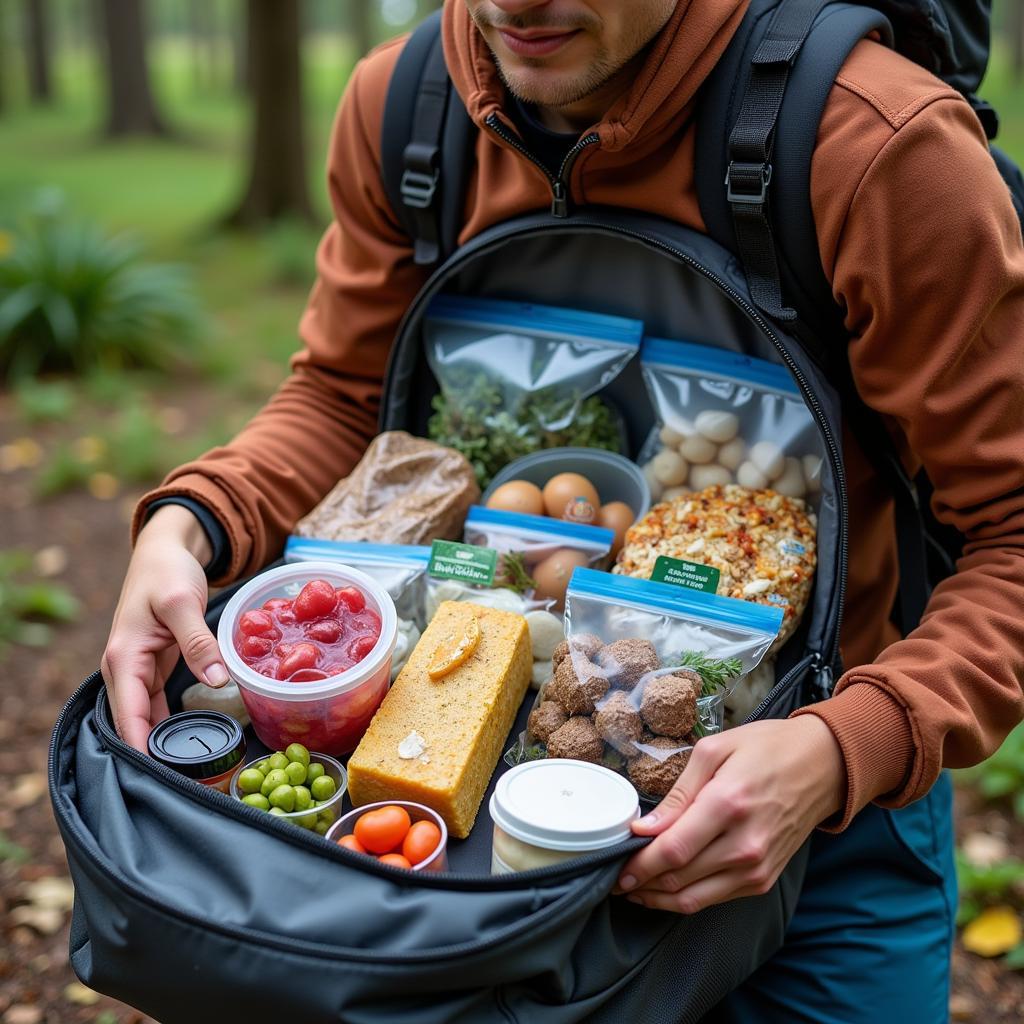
(871, 938)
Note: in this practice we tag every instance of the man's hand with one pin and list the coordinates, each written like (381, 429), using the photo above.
(745, 803)
(160, 612)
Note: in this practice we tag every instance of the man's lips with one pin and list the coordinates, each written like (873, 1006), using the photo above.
(535, 43)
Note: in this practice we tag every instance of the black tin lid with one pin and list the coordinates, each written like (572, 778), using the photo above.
(199, 744)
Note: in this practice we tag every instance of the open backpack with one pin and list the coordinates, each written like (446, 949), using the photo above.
(196, 908)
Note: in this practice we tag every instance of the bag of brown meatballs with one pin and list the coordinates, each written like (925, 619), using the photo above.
(643, 675)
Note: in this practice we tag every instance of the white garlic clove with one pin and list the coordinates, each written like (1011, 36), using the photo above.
(791, 482)
(768, 458)
(717, 425)
(669, 437)
(698, 450)
(669, 468)
(709, 476)
(748, 475)
(676, 492)
(812, 472)
(652, 481)
(731, 453)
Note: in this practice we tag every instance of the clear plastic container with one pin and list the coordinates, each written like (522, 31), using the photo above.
(545, 812)
(437, 861)
(329, 715)
(315, 819)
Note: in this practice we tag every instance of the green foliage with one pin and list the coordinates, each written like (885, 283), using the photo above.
(984, 886)
(1001, 777)
(74, 298)
(471, 417)
(44, 401)
(9, 850)
(64, 471)
(27, 605)
(291, 251)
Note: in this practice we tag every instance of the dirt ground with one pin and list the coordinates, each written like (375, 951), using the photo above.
(36, 984)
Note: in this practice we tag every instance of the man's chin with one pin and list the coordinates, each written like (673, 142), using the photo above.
(543, 87)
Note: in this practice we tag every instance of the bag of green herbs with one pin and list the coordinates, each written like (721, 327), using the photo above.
(643, 675)
(517, 377)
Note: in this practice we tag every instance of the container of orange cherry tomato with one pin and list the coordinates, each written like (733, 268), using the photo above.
(397, 832)
(310, 647)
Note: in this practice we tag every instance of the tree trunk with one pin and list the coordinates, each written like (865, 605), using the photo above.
(277, 164)
(37, 50)
(360, 25)
(1015, 27)
(131, 108)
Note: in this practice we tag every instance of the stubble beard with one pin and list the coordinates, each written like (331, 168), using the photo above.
(559, 93)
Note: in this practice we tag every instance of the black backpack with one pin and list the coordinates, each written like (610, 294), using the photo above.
(197, 908)
(757, 123)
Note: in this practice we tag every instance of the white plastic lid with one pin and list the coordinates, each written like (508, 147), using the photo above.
(560, 804)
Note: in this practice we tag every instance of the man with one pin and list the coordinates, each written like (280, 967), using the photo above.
(918, 236)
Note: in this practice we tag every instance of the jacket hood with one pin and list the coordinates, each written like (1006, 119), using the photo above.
(679, 59)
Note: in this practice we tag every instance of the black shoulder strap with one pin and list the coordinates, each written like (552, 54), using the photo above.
(767, 97)
(425, 146)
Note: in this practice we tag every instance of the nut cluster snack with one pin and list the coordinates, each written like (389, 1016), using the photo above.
(763, 543)
(615, 704)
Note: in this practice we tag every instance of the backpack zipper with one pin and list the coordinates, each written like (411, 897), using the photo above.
(560, 195)
(822, 665)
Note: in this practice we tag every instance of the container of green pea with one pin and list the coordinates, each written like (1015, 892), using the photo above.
(295, 785)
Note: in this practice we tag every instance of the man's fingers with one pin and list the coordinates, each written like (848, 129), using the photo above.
(726, 885)
(183, 616)
(131, 703)
(672, 849)
(705, 759)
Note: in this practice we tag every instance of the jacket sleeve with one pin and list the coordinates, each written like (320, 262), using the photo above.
(930, 265)
(317, 425)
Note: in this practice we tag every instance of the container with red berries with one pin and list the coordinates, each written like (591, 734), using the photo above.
(310, 647)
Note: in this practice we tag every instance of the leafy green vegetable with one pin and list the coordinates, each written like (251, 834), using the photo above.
(471, 417)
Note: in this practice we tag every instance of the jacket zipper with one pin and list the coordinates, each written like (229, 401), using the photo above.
(560, 193)
(823, 666)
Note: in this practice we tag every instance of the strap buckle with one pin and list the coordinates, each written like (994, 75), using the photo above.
(418, 189)
(757, 176)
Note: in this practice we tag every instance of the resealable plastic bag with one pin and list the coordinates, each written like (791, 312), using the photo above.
(643, 675)
(725, 417)
(516, 377)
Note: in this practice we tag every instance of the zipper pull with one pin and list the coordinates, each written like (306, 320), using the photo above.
(559, 200)
(823, 677)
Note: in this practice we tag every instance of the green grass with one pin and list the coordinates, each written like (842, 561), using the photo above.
(1007, 97)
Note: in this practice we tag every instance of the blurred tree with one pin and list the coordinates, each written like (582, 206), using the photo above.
(37, 50)
(360, 21)
(131, 110)
(277, 186)
(1015, 28)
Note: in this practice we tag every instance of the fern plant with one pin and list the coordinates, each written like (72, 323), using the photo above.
(75, 298)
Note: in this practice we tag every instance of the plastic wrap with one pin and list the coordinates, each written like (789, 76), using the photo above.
(517, 377)
(643, 675)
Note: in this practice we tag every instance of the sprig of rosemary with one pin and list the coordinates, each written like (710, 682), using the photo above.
(513, 574)
(714, 672)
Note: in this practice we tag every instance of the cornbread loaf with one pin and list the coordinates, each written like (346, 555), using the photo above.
(464, 718)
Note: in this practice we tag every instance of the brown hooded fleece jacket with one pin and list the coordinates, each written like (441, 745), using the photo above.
(919, 238)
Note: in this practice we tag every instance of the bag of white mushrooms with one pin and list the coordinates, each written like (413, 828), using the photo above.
(724, 417)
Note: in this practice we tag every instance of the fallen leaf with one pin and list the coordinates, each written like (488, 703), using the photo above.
(50, 561)
(51, 893)
(27, 789)
(104, 486)
(45, 920)
(961, 1007)
(984, 849)
(22, 453)
(23, 1013)
(993, 932)
(81, 995)
(89, 448)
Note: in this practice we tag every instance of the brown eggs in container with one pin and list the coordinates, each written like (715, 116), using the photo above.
(571, 497)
